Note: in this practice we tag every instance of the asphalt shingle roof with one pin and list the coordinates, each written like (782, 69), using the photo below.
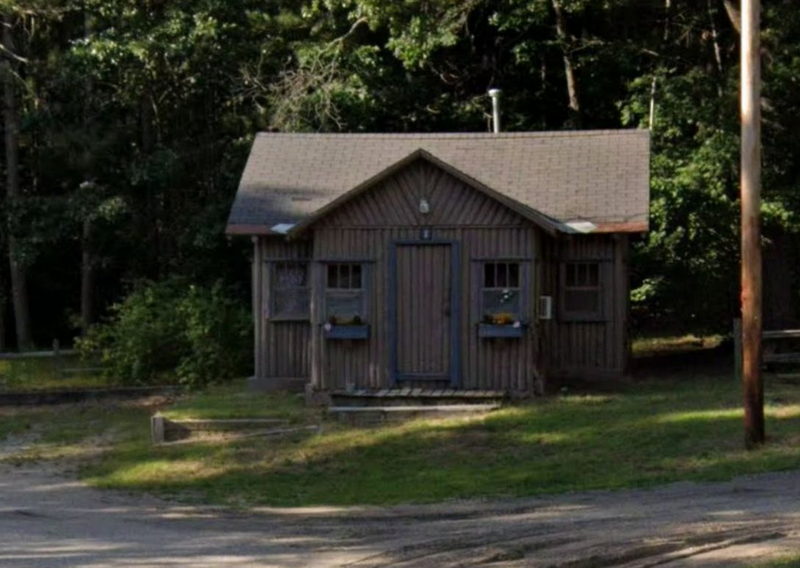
(600, 176)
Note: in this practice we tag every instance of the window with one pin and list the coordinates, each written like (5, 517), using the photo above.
(582, 291)
(500, 296)
(344, 293)
(290, 291)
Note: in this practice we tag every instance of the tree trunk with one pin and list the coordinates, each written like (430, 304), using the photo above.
(151, 206)
(715, 40)
(87, 254)
(19, 284)
(87, 277)
(3, 341)
(734, 15)
(654, 84)
(652, 120)
(574, 104)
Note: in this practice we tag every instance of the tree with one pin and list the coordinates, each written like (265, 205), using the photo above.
(134, 130)
(18, 273)
(569, 67)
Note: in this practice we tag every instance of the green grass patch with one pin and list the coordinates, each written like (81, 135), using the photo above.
(788, 562)
(76, 431)
(671, 344)
(13, 423)
(46, 374)
(646, 434)
(654, 432)
(234, 400)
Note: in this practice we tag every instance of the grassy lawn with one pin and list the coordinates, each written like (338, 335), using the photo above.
(652, 432)
(671, 344)
(789, 562)
(236, 401)
(43, 374)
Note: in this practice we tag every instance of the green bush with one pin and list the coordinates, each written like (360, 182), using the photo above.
(167, 330)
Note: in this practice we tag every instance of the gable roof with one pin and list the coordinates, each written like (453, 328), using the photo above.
(580, 181)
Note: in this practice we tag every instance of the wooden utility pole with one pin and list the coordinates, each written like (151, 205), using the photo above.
(752, 380)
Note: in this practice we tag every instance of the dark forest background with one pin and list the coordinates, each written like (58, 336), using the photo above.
(126, 124)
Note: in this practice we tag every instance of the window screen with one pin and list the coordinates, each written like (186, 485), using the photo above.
(582, 290)
(290, 291)
(500, 295)
(344, 293)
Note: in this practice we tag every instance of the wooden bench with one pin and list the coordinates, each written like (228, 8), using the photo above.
(769, 339)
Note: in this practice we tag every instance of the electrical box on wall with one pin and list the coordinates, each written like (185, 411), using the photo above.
(545, 307)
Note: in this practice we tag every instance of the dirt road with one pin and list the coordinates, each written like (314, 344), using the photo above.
(48, 520)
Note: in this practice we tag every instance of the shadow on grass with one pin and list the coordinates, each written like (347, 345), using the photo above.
(658, 432)
(671, 364)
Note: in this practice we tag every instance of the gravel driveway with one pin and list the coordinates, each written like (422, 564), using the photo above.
(48, 520)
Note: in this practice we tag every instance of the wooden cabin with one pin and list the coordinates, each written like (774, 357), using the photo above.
(463, 261)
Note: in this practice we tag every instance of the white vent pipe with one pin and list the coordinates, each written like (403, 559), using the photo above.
(495, 95)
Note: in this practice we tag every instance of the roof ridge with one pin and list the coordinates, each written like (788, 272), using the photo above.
(452, 135)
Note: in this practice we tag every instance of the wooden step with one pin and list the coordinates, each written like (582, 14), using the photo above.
(374, 415)
(165, 430)
(416, 397)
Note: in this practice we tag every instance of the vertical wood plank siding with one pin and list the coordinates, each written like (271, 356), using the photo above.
(596, 349)
(282, 347)
(258, 323)
(365, 229)
(423, 318)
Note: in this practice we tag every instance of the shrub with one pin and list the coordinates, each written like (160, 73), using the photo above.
(171, 329)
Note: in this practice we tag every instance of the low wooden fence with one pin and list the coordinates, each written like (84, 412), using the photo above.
(63, 360)
(770, 340)
(67, 396)
(37, 354)
(164, 430)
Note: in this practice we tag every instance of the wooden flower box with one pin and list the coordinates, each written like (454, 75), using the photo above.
(495, 330)
(346, 332)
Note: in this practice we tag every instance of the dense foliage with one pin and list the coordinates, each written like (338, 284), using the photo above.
(167, 329)
(135, 118)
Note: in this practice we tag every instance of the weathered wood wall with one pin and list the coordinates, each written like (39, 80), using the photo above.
(366, 227)
(282, 348)
(589, 349)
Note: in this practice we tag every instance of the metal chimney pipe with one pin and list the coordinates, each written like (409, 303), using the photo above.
(495, 95)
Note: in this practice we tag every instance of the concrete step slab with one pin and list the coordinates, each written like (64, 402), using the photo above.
(416, 397)
(374, 415)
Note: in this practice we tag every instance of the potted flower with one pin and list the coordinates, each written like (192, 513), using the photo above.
(502, 324)
(338, 327)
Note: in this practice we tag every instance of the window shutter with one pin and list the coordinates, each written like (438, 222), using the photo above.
(607, 289)
(266, 294)
(526, 291)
